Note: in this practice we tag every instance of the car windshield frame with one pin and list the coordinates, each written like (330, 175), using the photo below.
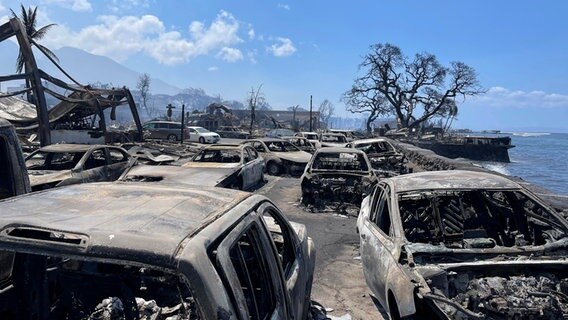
(285, 146)
(336, 157)
(219, 155)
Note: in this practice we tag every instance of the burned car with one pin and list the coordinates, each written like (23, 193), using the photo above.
(139, 251)
(301, 143)
(329, 139)
(337, 174)
(463, 245)
(384, 157)
(63, 164)
(227, 166)
(280, 156)
(232, 132)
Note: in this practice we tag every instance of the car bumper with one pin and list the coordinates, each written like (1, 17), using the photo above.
(212, 139)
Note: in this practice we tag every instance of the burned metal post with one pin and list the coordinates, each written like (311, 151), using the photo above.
(311, 114)
(35, 81)
(182, 122)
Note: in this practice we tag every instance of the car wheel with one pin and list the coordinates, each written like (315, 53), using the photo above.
(273, 169)
(172, 137)
(201, 140)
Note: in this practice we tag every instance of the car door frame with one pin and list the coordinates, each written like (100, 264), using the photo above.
(269, 253)
(115, 170)
(82, 172)
(376, 245)
(298, 273)
(257, 164)
(247, 171)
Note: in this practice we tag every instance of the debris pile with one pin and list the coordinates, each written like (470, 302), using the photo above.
(112, 308)
(542, 296)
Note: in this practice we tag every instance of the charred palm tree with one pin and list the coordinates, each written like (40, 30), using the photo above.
(28, 18)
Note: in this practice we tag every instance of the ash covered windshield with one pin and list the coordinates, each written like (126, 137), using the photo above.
(477, 219)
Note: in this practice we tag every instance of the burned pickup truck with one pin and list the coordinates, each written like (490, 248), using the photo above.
(463, 245)
(337, 175)
(135, 251)
(384, 157)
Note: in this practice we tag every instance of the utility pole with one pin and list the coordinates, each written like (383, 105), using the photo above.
(182, 122)
(311, 129)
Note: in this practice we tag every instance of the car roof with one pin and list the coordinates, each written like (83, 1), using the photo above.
(65, 147)
(265, 140)
(339, 150)
(370, 140)
(333, 134)
(227, 146)
(450, 179)
(137, 222)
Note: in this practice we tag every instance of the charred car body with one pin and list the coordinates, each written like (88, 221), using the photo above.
(337, 174)
(13, 174)
(463, 245)
(280, 156)
(330, 139)
(301, 143)
(232, 132)
(64, 164)
(383, 156)
(226, 166)
(135, 251)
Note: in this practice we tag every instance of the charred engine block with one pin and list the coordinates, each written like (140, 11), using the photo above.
(348, 189)
(537, 296)
(394, 163)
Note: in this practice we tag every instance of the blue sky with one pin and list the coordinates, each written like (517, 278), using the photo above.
(298, 48)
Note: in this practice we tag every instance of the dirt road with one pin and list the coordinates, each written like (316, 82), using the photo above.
(339, 283)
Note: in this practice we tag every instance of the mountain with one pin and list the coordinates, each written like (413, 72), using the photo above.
(90, 68)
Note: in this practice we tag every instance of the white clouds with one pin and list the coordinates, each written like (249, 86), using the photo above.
(283, 48)
(212, 69)
(252, 56)
(75, 5)
(121, 37)
(230, 54)
(503, 97)
(251, 32)
(284, 6)
(119, 5)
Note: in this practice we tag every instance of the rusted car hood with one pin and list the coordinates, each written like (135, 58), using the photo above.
(296, 156)
(39, 177)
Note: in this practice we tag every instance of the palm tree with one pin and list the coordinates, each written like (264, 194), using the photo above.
(28, 18)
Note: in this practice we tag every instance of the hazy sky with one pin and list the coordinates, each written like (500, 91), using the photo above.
(298, 48)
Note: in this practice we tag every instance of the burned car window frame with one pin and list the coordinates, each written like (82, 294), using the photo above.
(271, 267)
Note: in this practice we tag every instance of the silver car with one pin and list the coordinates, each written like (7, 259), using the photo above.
(165, 130)
(463, 245)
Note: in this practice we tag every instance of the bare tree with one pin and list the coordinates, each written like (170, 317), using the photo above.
(253, 99)
(143, 85)
(372, 103)
(294, 109)
(415, 89)
(326, 110)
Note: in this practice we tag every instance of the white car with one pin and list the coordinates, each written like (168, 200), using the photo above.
(202, 135)
(313, 137)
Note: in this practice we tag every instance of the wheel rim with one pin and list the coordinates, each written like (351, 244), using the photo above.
(273, 169)
(172, 137)
(201, 140)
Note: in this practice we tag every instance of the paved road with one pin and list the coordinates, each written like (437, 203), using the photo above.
(338, 281)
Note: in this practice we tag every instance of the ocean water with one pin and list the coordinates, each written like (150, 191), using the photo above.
(539, 158)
